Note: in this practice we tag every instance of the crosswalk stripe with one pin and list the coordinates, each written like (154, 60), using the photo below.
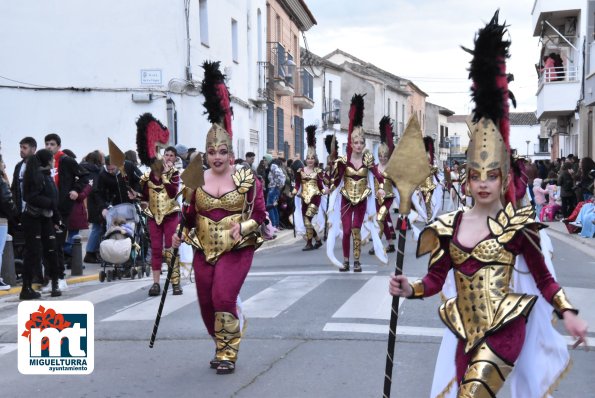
(382, 329)
(275, 299)
(113, 290)
(6, 348)
(371, 301)
(281, 273)
(147, 309)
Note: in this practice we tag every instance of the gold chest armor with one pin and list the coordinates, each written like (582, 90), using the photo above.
(484, 303)
(355, 191)
(213, 238)
(388, 188)
(309, 185)
(160, 204)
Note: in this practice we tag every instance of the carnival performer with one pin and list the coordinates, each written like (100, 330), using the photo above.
(159, 186)
(383, 205)
(429, 199)
(309, 188)
(223, 224)
(455, 180)
(354, 198)
(490, 263)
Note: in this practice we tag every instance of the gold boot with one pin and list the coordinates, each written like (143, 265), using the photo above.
(175, 273)
(227, 338)
(485, 376)
(357, 249)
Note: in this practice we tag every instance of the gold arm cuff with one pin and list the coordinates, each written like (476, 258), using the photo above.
(418, 289)
(247, 227)
(561, 303)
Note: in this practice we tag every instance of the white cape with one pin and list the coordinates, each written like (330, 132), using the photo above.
(318, 220)
(544, 357)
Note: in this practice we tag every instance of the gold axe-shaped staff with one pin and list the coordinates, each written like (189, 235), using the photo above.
(408, 167)
(192, 177)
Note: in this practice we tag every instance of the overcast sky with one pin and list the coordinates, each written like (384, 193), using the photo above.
(420, 40)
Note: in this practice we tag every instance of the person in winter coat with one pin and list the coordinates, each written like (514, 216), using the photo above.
(8, 212)
(93, 163)
(40, 220)
(566, 183)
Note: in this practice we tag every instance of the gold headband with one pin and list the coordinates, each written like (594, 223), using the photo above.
(218, 136)
(311, 153)
(487, 150)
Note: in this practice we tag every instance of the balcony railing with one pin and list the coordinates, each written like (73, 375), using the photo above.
(282, 68)
(559, 74)
(264, 90)
(304, 89)
(332, 117)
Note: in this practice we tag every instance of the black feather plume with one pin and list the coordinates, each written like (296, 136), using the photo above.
(311, 135)
(486, 68)
(328, 142)
(212, 83)
(356, 111)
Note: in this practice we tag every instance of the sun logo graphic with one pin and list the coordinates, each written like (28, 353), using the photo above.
(56, 337)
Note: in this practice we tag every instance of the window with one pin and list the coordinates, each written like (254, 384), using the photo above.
(396, 112)
(259, 34)
(278, 28)
(234, 40)
(298, 123)
(388, 107)
(280, 130)
(204, 22)
(270, 125)
(544, 145)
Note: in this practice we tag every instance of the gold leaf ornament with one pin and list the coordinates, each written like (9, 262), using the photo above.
(244, 180)
(495, 227)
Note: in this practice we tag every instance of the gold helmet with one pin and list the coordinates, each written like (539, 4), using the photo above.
(490, 127)
(356, 119)
(218, 106)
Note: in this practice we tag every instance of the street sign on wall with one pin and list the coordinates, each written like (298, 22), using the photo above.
(150, 77)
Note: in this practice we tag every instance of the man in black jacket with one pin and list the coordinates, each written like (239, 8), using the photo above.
(71, 179)
(28, 146)
(112, 188)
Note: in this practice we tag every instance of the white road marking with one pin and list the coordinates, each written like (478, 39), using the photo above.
(281, 273)
(275, 299)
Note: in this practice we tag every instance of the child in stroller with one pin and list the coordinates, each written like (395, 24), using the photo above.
(122, 244)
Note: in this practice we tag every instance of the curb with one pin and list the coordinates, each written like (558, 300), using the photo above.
(70, 281)
(582, 245)
(283, 238)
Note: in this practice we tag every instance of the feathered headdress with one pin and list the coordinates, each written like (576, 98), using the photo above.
(356, 121)
(429, 144)
(217, 105)
(331, 149)
(311, 141)
(387, 143)
(151, 134)
(489, 146)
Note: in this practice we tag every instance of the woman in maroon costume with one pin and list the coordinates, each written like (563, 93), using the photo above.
(353, 172)
(488, 315)
(222, 223)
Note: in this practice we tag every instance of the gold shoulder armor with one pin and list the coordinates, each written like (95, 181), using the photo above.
(368, 160)
(429, 238)
(244, 180)
(510, 220)
(341, 159)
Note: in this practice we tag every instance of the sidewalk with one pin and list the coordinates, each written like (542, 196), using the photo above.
(557, 230)
(91, 271)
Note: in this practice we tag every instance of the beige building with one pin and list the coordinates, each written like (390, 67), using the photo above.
(416, 102)
(288, 88)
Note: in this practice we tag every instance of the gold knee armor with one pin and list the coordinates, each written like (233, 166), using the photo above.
(312, 210)
(175, 273)
(357, 243)
(485, 376)
(381, 216)
(309, 228)
(227, 336)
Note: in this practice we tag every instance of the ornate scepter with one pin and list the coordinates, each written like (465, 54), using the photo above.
(408, 167)
(192, 177)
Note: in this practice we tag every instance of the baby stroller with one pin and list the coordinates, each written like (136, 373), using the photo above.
(124, 245)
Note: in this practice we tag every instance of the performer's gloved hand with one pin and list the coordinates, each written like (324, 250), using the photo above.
(399, 286)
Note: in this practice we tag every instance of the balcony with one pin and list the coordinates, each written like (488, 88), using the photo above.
(558, 92)
(556, 13)
(282, 69)
(264, 92)
(304, 89)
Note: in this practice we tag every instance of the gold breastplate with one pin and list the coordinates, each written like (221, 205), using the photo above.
(212, 237)
(388, 186)
(309, 186)
(355, 190)
(483, 304)
(160, 204)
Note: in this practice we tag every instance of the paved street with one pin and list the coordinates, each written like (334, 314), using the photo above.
(312, 332)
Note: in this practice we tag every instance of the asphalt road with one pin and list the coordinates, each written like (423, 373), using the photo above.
(312, 332)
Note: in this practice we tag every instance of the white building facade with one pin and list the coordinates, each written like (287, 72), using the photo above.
(87, 70)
